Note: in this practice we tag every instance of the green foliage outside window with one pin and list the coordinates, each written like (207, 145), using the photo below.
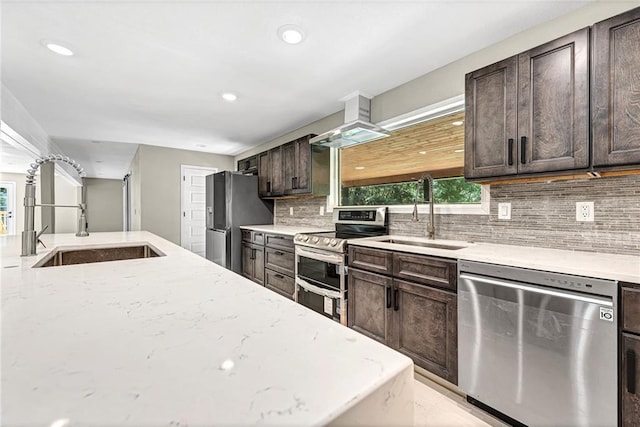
(446, 190)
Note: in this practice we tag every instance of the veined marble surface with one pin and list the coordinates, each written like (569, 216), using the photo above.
(624, 268)
(287, 230)
(178, 340)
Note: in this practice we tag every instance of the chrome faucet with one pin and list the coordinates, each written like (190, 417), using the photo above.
(431, 229)
(30, 237)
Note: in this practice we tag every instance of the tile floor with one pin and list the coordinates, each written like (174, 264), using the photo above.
(437, 406)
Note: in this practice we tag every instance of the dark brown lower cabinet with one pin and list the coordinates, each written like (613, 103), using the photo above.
(280, 283)
(417, 320)
(253, 262)
(369, 304)
(630, 393)
(425, 327)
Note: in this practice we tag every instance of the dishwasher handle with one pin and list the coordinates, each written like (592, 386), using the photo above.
(538, 290)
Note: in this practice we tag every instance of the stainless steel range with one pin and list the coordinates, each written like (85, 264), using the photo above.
(321, 259)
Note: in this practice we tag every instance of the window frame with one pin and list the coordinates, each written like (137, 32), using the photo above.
(443, 108)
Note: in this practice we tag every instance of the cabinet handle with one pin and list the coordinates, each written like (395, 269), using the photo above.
(268, 186)
(631, 371)
(510, 151)
(396, 303)
(253, 253)
(295, 182)
(523, 153)
(278, 253)
(278, 276)
(388, 297)
(276, 237)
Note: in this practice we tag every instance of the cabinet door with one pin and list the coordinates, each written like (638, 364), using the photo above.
(258, 264)
(276, 172)
(369, 304)
(425, 328)
(490, 120)
(553, 105)
(630, 380)
(247, 260)
(264, 174)
(289, 166)
(303, 171)
(615, 90)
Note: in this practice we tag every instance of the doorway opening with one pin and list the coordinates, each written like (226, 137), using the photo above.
(192, 207)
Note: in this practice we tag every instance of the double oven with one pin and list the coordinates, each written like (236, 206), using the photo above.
(321, 259)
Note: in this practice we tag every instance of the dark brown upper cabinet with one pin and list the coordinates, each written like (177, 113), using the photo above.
(302, 169)
(270, 173)
(615, 90)
(530, 113)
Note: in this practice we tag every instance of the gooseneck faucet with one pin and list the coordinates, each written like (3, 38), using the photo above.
(431, 229)
(29, 236)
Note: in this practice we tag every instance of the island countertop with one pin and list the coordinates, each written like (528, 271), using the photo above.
(178, 340)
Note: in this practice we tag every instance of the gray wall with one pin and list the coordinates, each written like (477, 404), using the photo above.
(542, 215)
(104, 204)
(157, 172)
(448, 81)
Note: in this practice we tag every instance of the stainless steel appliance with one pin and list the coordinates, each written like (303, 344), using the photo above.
(231, 201)
(321, 259)
(539, 347)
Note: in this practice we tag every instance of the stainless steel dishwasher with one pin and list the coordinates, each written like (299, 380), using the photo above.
(539, 347)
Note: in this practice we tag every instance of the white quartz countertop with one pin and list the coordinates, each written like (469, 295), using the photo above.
(173, 340)
(288, 230)
(588, 264)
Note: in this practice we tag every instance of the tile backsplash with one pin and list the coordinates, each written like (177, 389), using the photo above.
(543, 214)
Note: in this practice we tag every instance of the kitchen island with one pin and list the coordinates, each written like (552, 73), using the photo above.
(178, 340)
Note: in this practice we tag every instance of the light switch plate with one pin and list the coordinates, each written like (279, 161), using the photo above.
(585, 211)
(291, 211)
(504, 210)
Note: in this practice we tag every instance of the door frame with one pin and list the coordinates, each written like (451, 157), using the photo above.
(12, 203)
(183, 227)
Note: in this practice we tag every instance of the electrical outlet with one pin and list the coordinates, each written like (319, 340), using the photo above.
(291, 211)
(321, 210)
(585, 211)
(504, 210)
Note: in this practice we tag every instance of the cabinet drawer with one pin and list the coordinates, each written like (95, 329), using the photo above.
(279, 241)
(280, 283)
(631, 310)
(375, 260)
(281, 261)
(426, 270)
(258, 237)
(246, 235)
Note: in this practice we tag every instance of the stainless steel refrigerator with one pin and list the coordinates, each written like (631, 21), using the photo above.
(232, 200)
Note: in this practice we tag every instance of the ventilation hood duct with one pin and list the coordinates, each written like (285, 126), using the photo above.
(357, 128)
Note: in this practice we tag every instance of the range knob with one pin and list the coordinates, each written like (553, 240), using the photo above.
(305, 238)
(315, 239)
(333, 242)
(326, 241)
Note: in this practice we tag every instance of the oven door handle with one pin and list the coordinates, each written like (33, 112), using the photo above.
(330, 258)
(316, 289)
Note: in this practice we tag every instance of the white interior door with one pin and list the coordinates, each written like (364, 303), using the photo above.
(7, 208)
(193, 222)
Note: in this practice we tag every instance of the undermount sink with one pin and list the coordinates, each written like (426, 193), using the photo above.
(75, 255)
(433, 245)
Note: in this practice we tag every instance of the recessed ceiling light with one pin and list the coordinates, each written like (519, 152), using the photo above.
(228, 96)
(460, 150)
(422, 152)
(201, 145)
(457, 123)
(359, 168)
(290, 34)
(57, 48)
(98, 161)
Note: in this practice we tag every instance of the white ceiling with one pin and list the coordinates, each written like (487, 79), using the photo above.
(151, 71)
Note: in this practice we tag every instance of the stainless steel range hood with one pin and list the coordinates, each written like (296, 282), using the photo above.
(357, 128)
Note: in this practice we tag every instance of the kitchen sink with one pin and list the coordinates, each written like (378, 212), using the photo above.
(75, 255)
(433, 245)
